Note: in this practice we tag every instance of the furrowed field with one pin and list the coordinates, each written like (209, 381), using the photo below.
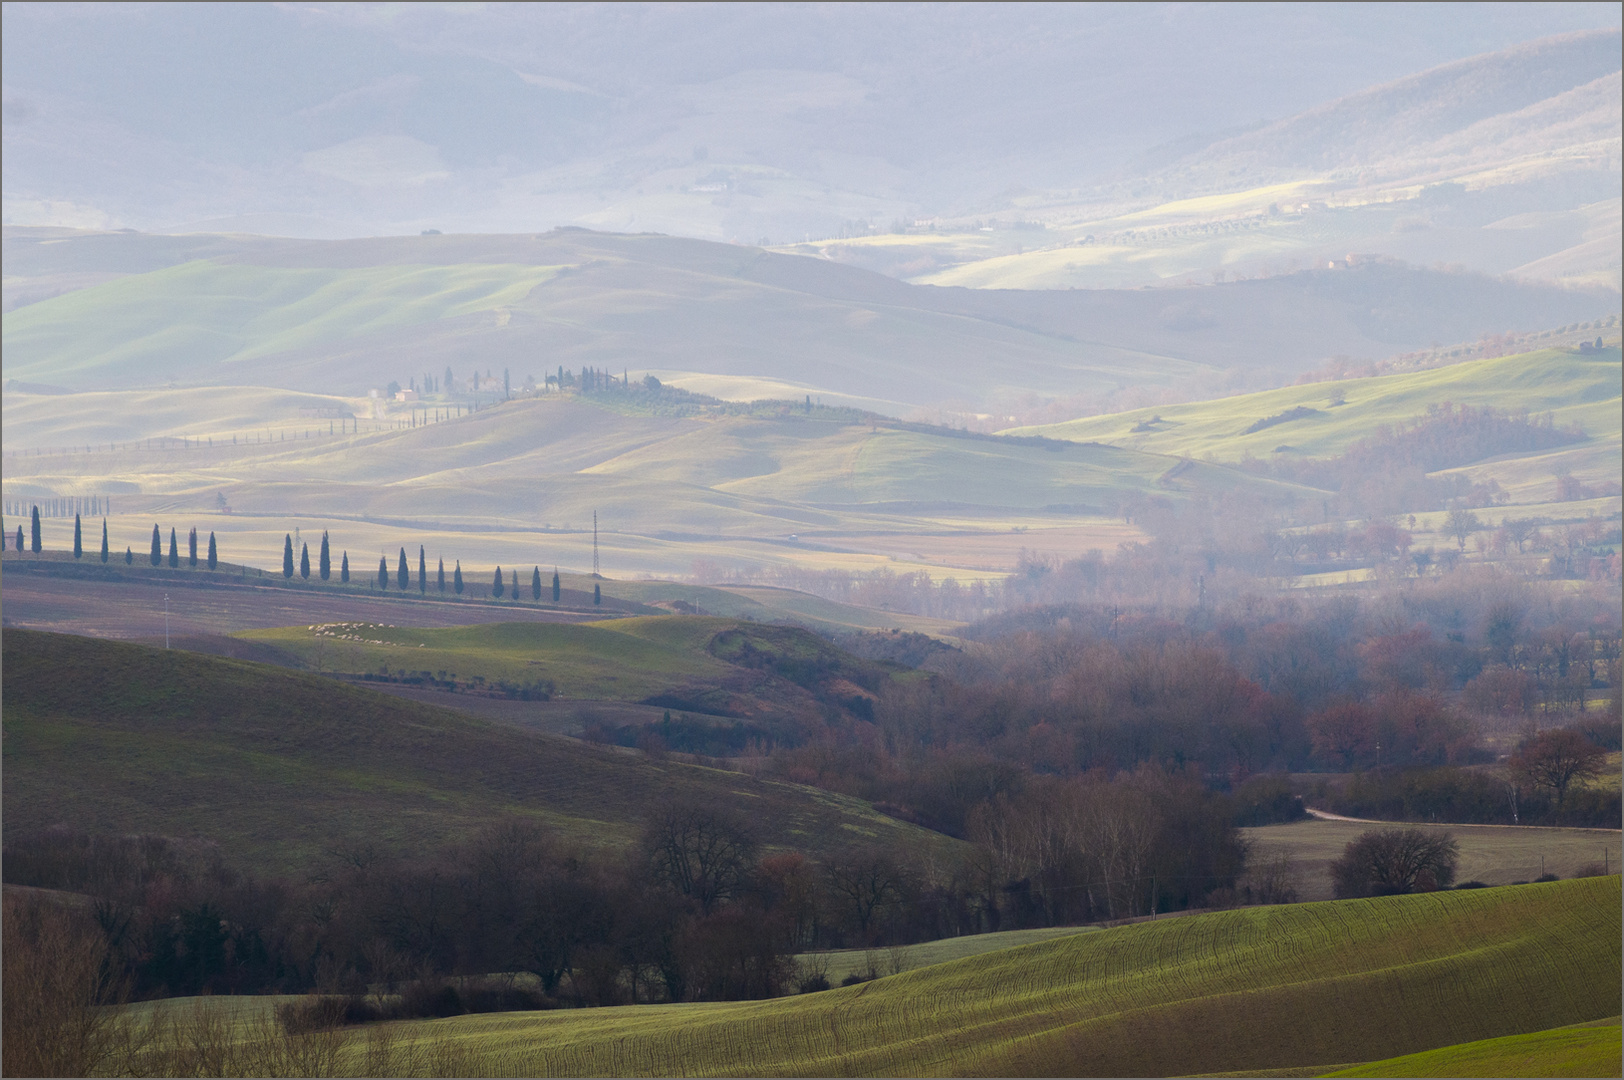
(1305, 988)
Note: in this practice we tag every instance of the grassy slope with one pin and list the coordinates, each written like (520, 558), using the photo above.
(626, 660)
(1252, 989)
(600, 660)
(1574, 388)
(1579, 1050)
(195, 318)
(388, 307)
(280, 767)
(519, 484)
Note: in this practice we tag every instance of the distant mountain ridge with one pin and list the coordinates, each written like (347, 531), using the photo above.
(1414, 116)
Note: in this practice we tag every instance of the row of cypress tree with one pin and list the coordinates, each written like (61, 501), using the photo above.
(500, 585)
(156, 557)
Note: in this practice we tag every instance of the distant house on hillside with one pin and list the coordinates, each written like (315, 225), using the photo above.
(405, 395)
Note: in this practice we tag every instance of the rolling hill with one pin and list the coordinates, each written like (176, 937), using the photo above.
(1506, 162)
(349, 316)
(1262, 988)
(1577, 389)
(518, 485)
(279, 766)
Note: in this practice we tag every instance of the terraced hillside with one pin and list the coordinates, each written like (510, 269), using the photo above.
(279, 766)
(1261, 988)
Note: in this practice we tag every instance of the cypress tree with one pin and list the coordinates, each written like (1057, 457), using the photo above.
(33, 535)
(129, 557)
(513, 584)
(19, 539)
(157, 555)
(326, 565)
(597, 594)
(456, 578)
(535, 583)
(383, 572)
(78, 539)
(191, 548)
(403, 573)
(174, 549)
(422, 571)
(442, 576)
(304, 561)
(214, 552)
(287, 555)
(104, 552)
(557, 586)
(497, 588)
(344, 569)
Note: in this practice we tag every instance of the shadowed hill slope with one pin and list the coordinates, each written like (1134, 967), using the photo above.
(279, 766)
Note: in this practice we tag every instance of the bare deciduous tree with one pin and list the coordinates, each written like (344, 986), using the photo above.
(704, 852)
(1386, 862)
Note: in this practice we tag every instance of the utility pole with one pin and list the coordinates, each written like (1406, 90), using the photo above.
(595, 545)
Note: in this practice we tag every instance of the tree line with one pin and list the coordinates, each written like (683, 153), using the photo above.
(401, 578)
(696, 909)
(155, 556)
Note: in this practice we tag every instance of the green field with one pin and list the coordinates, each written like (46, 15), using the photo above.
(1577, 1050)
(1279, 988)
(610, 660)
(684, 661)
(1576, 389)
(282, 767)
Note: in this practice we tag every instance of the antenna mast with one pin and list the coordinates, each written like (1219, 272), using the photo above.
(595, 545)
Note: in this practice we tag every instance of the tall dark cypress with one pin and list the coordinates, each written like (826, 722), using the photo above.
(304, 561)
(403, 573)
(287, 555)
(442, 575)
(383, 572)
(78, 539)
(597, 594)
(535, 583)
(157, 555)
(422, 571)
(513, 584)
(174, 549)
(344, 569)
(326, 565)
(33, 535)
(191, 548)
(19, 539)
(456, 578)
(557, 586)
(214, 552)
(104, 552)
(497, 586)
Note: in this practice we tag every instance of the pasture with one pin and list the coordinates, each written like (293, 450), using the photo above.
(1495, 854)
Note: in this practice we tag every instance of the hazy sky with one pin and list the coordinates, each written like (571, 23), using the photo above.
(313, 119)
